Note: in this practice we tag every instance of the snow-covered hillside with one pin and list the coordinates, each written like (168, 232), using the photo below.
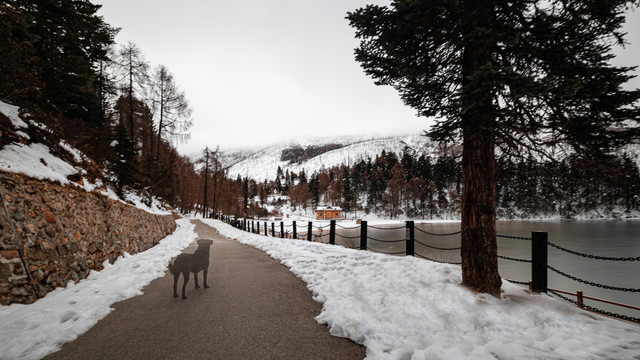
(262, 163)
(65, 164)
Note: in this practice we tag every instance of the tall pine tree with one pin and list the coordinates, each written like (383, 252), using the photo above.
(516, 74)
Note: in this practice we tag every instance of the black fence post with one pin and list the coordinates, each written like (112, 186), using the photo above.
(253, 229)
(310, 231)
(266, 232)
(273, 229)
(281, 230)
(244, 224)
(258, 229)
(410, 238)
(539, 261)
(295, 231)
(363, 235)
(332, 233)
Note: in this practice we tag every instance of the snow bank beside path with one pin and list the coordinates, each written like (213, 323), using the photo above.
(36, 330)
(409, 308)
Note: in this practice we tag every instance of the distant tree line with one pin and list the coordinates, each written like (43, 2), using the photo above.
(59, 63)
(298, 154)
(427, 187)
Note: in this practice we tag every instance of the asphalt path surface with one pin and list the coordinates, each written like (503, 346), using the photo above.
(255, 308)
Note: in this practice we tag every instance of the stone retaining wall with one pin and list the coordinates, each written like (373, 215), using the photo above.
(50, 234)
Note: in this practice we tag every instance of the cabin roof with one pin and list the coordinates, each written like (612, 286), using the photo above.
(328, 208)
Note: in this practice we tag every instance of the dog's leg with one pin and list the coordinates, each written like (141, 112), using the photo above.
(204, 275)
(195, 276)
(176, 276)
(184, 285)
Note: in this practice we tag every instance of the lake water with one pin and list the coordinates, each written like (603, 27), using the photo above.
(602, 238)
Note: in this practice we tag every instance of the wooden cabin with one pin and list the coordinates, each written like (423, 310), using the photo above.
(328, 212)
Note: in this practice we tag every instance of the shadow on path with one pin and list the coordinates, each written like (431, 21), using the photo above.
(255, 308)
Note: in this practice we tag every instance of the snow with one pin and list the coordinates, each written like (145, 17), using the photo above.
(398, 307)
(262, 163)
(155, 207)
(35, 330)
(36, 161)
(12, 112)
(409, 308)
(78, 156)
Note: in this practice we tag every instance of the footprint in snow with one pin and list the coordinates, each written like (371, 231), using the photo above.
(67, 316)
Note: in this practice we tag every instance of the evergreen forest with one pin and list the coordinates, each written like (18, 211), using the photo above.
(429, 187)
(60, 64)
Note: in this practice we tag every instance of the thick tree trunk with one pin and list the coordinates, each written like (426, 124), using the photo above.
(479, 247)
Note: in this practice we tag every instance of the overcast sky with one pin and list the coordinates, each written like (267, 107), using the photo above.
(257, 72)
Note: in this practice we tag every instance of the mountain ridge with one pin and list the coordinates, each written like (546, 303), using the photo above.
(262, 163)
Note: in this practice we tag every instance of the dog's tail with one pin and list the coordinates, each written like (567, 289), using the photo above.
(171, 268)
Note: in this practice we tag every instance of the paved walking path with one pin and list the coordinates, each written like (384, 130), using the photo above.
(255, 308)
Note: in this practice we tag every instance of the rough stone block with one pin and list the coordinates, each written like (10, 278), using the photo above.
(10, 254)
(47, 215)
(31, 228)
(50, 231)
(5, 272)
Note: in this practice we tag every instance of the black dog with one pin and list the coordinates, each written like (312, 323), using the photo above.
(186, 263)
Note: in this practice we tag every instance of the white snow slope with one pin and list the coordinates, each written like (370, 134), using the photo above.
(36, 330)
(409, 308)
(263, 163)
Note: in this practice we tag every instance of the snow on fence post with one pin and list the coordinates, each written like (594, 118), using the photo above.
(332, 233)
(539, 261)
(410, 238)
(363, 235)
(309, 231)
(273, 229)
(281, 230)
(295, 231)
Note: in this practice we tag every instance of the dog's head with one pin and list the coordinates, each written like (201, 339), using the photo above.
(204, 242)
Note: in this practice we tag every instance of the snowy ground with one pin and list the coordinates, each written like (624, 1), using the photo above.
(398, 307)
(35, 330)
(408, 308)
